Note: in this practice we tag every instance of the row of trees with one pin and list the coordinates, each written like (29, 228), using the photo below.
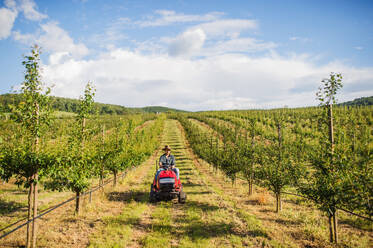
(324, 153)
(65, 105)
(67, 154)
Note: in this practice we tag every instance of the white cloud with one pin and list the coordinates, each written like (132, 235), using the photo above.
(28, 7)
(302, 39)
(229, 27)
(239, 45)
(53, 39)
(217, 37)
(210, 65)
(168, 17)
(7, 18)
(11, 4)
(56, 39)
(359, 48)
(216, 82)
(27, 39)
(9, 14)
(58, 58)
(188, 43)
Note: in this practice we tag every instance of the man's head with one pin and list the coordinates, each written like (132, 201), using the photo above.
(167, 149)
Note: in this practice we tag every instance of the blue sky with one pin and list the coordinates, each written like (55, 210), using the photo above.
(194, 55)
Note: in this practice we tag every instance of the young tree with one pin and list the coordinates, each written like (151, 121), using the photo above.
(26, 160)
(277, 168)
(76, 164)
(121, 148)
(250, 154)
(326, 183)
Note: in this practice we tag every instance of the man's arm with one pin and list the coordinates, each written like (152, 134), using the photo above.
(173, 163)
(161, 160)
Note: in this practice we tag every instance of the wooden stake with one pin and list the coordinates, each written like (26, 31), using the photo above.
(29, 213)
(35, 212)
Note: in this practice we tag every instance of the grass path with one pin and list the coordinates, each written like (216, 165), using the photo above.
(206, 220)
(216, 213)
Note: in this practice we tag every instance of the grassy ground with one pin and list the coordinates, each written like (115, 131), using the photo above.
(208, 219)
(299, 224)
(61, 228)
(216, 214)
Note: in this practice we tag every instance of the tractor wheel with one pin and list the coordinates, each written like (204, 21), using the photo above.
(182, 197)
(152, 197)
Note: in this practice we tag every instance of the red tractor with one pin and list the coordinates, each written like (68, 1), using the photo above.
(167, 187)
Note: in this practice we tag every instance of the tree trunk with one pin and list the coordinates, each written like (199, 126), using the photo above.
(331, 237)
(335, 224)
(331, 129)
(102, 162)
(115, 178)
(251, 182)
(83, 131)
(101, 177)
(35, 188)
(35, 212)
(77, 203)
(250, 187)
(29, 213)
(278, 203)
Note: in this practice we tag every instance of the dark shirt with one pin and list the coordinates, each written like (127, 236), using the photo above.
(167, 161)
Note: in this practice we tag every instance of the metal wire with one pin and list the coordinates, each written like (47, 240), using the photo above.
(55, 207)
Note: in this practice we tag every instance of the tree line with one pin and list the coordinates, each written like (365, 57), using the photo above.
(323, 153)
(38, 150)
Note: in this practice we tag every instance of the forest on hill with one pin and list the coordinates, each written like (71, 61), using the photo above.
(71, 105)
(362, 101)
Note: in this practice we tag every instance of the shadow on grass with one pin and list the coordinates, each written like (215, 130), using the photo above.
(17, 191)
(284, 222)
(199, 193)
(203, 206)
(198, 229)
(357, 223)
(8, 207)
(183, 161)
(189, 184)
(257, 203)
(185, 174)
(178, 146)
(138, 196)
(267, 210)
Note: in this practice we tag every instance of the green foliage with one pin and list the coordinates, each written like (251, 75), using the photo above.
(72, 106)
(362, 101)
(24, 156)
(277, 162)
(33, 111)
(76, 159)
(342, 178)
(326, 93)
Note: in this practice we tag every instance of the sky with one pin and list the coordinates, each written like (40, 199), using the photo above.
(191, 55)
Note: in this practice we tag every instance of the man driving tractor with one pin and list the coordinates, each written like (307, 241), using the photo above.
(166, 184)
(167, 160)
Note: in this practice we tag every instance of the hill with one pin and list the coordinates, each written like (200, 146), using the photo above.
(160, 109)
(72, 105)
(362, 101)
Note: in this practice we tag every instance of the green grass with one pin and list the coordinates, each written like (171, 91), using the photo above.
(63, 114)
(161, 227)
(118, 229)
